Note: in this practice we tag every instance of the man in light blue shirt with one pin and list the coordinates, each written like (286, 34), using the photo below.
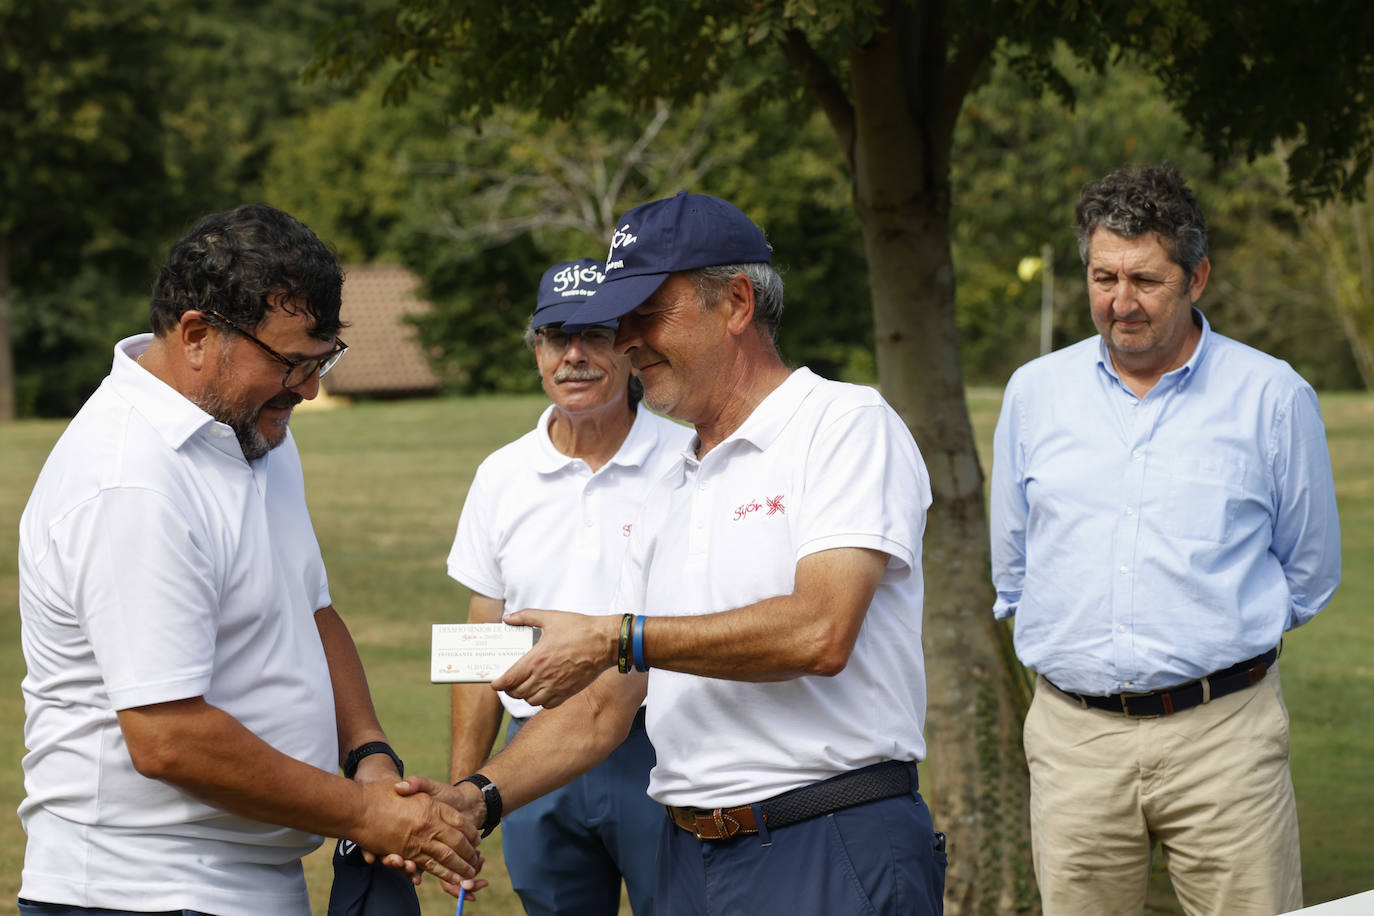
(1162, 512)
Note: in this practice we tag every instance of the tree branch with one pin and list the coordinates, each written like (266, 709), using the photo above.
(959, 75)
(820, 81)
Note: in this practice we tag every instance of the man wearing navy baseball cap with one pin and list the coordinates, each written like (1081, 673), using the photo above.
(546, 524)
(769, 606)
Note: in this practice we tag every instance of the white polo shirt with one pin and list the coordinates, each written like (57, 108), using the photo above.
(817, 465)
(540, 530)
(157, 564)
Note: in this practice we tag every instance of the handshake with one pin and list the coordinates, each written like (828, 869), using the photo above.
(417, 825)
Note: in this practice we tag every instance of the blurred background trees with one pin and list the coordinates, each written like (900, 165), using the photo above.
(122, 121)
(1021, 158)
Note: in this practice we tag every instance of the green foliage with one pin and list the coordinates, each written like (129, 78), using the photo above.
(1021, 158)
(67, 337)
(546, 54)
(482, 308)
(346, 170)
(1241, 77)
(238, 68)
(1339, 237)
(80, 92)
(1069, 98)
(81, 87)
(479, 210)
(122, 121)
(1244, 76)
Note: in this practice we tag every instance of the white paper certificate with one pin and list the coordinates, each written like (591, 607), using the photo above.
(462, 653)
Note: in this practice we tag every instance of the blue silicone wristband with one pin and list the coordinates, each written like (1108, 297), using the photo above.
(637, 651)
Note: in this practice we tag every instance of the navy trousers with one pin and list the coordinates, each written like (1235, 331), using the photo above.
(882, 857)
(33, 908)
(567, 852)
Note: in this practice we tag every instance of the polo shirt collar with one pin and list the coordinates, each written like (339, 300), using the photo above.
(633, 452)
(639, 441)
(1183, 373)
(169, 412)
(771, 416)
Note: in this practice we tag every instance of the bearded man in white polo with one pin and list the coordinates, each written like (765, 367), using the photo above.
(190, 689)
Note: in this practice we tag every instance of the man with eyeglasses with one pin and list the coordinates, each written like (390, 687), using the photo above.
(545, 524)
(191, 691)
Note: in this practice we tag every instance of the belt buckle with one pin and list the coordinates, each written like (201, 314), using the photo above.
(723, 825)
(1126, 709)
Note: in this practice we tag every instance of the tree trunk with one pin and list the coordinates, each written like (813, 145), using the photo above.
(976, 781)
(6, 354)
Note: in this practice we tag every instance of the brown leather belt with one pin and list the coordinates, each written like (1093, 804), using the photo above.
(871, 783)
(718, 824)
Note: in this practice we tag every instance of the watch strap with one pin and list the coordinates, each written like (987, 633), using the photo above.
(355, 757)
(491, 796)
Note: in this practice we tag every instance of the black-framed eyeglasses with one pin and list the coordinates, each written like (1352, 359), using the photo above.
(297, 370)
(594, 337)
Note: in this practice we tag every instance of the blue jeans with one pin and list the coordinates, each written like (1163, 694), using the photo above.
(882, 857)
(567, 851)
(33, 908)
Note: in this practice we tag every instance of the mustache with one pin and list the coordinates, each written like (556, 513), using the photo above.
(578, 374)
(284, 401)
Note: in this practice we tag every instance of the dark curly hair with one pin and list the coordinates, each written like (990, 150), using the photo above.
(234, 261)
(1133, 201)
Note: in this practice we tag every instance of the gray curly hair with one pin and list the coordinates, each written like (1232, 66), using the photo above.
(1132, 201)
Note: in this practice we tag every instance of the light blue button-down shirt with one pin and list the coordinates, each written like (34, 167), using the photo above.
(1144, 542)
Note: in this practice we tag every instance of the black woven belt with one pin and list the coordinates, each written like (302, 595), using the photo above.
(1184, 696)
(871, 783)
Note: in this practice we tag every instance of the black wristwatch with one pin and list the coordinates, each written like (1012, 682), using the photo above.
(355, 757)
(491, 795)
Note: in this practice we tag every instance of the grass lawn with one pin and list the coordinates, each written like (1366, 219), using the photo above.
(386, 481)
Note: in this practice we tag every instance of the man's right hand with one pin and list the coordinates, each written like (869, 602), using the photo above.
(465, 798)
(572, 651)
(421, 828)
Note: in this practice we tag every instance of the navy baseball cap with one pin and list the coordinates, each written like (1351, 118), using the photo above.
(564, 288)
(683, 232)
(360, 889)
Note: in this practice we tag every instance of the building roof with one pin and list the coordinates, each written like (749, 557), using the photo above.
(384, 357)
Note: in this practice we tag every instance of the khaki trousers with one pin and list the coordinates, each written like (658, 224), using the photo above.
(1210, 785)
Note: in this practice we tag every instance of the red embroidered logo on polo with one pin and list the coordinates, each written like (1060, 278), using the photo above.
(773, 505)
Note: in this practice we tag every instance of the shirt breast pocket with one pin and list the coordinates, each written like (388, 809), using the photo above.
(1203, 496)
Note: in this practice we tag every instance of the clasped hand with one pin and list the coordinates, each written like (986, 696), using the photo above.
(468, 805)
(413, 831)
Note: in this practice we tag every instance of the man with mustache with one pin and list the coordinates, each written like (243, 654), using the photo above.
(191, 692)
(1162, 513)
(772, 592)
(546, 524)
